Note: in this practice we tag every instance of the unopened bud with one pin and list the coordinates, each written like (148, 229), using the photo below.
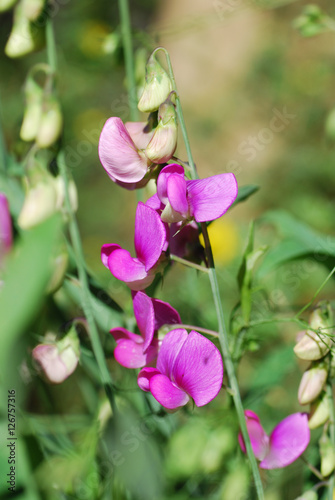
(312, 383)
(33, 110)
(60, 189)
(50, 124)
(312, 345)
(320, 412)
(157, 86)
(6, 5)
(24, 37)
(32, 9)
(327, 453)
(164, 141)
(58, 360)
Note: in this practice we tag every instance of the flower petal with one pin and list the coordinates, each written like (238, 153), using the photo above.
(165, 173)
(154, 202)
(167, 394)
(288, 441)
(150, 235)
(6, 237)
(140, 133)
(171, 345)
(176, 191)
(130, 354)
(121, 333)
(198, 369)
(144, 377)
(211, 197)
(145, 317)
(106, 250)
(131, 271)
(164, 314)
(258, 437)
(118, 153)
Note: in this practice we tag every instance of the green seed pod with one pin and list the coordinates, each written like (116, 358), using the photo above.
(157, 86)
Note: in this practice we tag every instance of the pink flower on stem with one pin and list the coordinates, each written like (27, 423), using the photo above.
(120, 150)
(288, 440)
(202, 199)
(150, 241)
(6, 237)
(188, 366)
(133, 350)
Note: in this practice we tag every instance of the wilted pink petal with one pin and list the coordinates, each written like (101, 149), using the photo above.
(140, 132)
(166, 393)
(118, 154)
(258, 437)
(288, 441)
(6, 237)
(211, 197)
(145, 376)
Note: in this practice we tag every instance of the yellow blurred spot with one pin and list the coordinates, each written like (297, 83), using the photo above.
(92, 37)
(88, 124)
(224, 240)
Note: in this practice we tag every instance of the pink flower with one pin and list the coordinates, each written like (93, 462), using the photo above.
(6, 237)
(287, 442)
(136, 351)
(188, 365)
(120, 150)
(150, 241)
(202, 199)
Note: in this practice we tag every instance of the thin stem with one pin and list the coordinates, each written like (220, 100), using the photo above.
(316, 294)
(329, 392)
(188, 263)
(128, 57)
(3, 152)
(312, 468)
(193, 327)
(51, 45)
(223, 337)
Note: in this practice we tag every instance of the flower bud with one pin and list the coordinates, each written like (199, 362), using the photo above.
(308, 495)
(24, 37)
(312, 345)
(51, 123)
(58, 359)
(60, 189)
(312, 383)
(164, 141)
(327, 453)
(32, 9)
(157, 86)
(6, 4)
(320, 412)
(33, 110)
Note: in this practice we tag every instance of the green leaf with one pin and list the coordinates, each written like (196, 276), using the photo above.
(244, 192)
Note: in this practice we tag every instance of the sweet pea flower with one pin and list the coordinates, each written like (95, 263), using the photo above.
(188, 366)
(120, 150)
(202, 199)
(133, 350)
(286, 443)
(150, 241)
(6, 237)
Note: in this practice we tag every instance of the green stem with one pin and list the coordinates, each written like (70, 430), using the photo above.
(3, 152)
(128, 57)
(188, 263)
(303, 309)
(193, 327)
(329, 391)
(223, 337)
(312, 468)
(78, 250)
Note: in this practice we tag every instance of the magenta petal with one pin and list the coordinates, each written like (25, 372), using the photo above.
(154, 202)
(198, 369)
(210, 198)
(130, 354)
(164, 314)
(131, 271)
(288, 441)
(167, 394)
(171, 345)
(165, 173)
(150, 235)
(145, 319)
(106, 250)
(121, 333)
(258, 437)
(140, 133)
(6, 237)
(144, 377)
(176, 191)
(118, 153)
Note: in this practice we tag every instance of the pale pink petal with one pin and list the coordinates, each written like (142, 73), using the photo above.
(118, 153)
(165, 173)
(121, 333)
(166, 393)
(130, 354)
(176, 191)
(211, 197)
(145, 317)
(144, 377)
(106, 250)
(288, 441)
(164, 314)
(140, 133)
(198, 369)
(258, 437)
(131, 271)
(171, 345)
(150, 235)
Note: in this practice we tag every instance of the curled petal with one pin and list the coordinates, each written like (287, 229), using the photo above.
(145, 317)
(144, 377)
(258, 437)
(164, 314)
(198, 369)
(150, 235)
(211, 197)
(166, 393)
(118, 153)
(288, 441)
(131, 271)
(165, 173)
(106, 250)
(121, 333)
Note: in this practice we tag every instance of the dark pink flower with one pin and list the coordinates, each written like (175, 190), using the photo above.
(150, 241)
(6, 237)
(136, 351)
(188, 366)
(286, 443)
(202, 199)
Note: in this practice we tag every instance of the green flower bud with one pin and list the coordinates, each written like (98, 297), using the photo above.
(312, 383)
(39, 204)
(327, 453)
(312, 345)
(33, 110)
(164, 141)
(32, 9)
(24, 37)
(6, 5)
(157, 86)
(320, 412)
(50, 124)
